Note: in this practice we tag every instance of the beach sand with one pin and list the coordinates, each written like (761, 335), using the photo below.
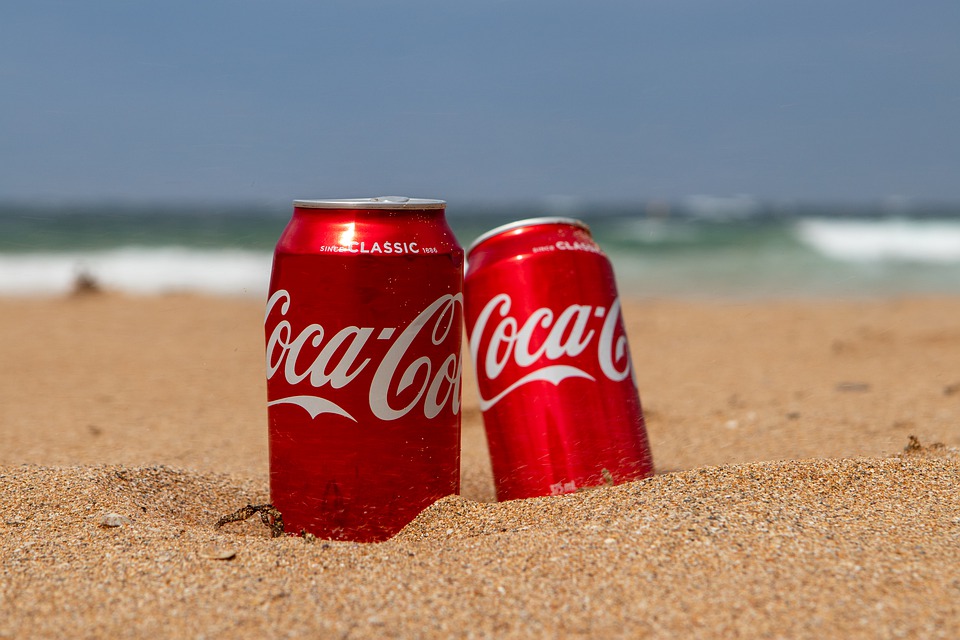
(790, 499)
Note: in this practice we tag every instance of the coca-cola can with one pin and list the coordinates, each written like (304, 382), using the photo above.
(363, 334)
(557, 388)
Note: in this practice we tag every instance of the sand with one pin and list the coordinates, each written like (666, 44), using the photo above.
(785, 503)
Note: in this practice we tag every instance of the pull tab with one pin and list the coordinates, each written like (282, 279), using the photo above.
(393, 199)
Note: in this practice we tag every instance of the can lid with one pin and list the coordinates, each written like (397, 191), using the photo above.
(529, 222)
(381, 202)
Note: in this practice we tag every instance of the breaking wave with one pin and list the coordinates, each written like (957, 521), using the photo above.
(891, 240)
(139, 271)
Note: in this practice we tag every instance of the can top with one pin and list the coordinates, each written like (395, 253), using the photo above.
(529, 222)
(381, 202)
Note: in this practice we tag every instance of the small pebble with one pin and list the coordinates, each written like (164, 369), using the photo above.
(111, 520)
(218, 552)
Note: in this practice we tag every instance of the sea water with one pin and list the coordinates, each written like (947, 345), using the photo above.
(747, 252)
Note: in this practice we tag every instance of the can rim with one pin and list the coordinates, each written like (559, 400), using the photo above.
(379, 202)
(529, 222)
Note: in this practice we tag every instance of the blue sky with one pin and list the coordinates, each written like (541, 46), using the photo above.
(479, 100)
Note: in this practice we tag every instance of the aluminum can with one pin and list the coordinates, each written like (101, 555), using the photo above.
(557, 388)
(363, 332)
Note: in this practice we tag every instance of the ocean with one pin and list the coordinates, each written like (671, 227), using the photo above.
(693, 248)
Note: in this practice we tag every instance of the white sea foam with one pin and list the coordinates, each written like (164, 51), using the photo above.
(139, 271)
(918, 241)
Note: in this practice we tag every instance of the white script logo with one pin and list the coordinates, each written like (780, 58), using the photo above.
(566, 334)
(337, 362)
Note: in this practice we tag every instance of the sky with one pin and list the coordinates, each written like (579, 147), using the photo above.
(479, 100)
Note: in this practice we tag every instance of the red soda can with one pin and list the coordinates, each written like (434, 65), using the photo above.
(557, 388)
(363, 336)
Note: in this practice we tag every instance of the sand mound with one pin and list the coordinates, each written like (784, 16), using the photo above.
(37, 497)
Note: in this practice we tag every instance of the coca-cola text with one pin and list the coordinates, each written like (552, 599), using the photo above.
(334, 362)
(547, 336)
